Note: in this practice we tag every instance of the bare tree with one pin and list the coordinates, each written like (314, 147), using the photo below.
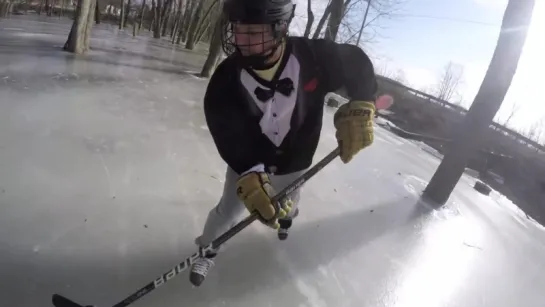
(536, 131)
(127, 14)
(48, 7)
(322, 21)
(214, 53)
(165, 16)
(192, 32)
(6, 7)
(399, 76)
(184, 27)
(61, 12)
(394, 74)
(310, 19)
(335, 18)
(512, 112)
(141, 17)
(488, 100)
(177, 31)
(122, 15)
(205, 21)
(78, 39)
(177, 21)
(97, 12)
(158, 19)
(449, 81)
(362, 22)
(327, 13)
(110, 7)
(153, 15)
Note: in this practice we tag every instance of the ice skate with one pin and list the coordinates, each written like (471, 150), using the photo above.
(285, 225)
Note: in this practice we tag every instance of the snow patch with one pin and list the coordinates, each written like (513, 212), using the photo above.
(195, 75)
(322, 270)
(28, 34)
(428, 149)
(517, 214)
(190, 103)
(414, 185)
(66, 77)
(310, 293)
(384, 122)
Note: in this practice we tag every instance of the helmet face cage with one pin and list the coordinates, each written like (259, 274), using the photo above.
(256, 40)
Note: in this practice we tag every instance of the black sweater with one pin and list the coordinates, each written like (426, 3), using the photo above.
(233, 116)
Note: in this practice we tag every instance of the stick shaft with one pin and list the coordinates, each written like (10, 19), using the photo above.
(60, 301)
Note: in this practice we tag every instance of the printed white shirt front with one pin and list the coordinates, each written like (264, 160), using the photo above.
(277, 111)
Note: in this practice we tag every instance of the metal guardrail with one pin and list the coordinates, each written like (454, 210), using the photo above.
(462, 111)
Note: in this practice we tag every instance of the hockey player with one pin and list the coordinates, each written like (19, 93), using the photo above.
(264, 107)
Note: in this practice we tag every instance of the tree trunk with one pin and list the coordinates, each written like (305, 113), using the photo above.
(203, 22)
(180, 27)
(337, 9)
(177, 19)
(153, 13)
(134, 26)
(127, 13)
(40, 7)
(122, 15)
(165, 15)
(488, 100)
(4, 8)
(322, 21)
(47, 8)
(363, 22)
(175, 27)
(142, 12)
(157, 24)
(310, 19)
(192, 34)
(97, 12)
(188, 15)
(214, 52)
(202, 32)
(78, 39)
(167, 18)
(180, 32)
(109, 11)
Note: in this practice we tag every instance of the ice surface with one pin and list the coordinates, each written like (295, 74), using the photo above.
(108, 172)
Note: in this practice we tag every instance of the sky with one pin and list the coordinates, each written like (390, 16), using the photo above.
(424, 35)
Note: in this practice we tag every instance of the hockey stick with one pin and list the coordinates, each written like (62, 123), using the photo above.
(61, 301)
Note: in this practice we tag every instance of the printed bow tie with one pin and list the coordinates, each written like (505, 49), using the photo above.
(284, 86)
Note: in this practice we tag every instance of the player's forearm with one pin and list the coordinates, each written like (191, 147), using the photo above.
(358, 73)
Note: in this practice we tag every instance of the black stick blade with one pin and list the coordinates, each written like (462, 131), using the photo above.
(61, 301)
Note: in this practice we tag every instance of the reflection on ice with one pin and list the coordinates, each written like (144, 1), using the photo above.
(439, 264)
